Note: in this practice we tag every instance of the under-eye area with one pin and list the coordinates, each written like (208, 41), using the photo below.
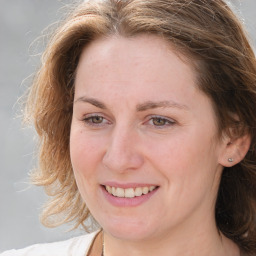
(129, 192)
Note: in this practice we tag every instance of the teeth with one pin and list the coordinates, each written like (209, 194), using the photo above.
(152, 188)
(113, 191)
(138, 191)
(129, 192)
(145, 190)
(109, 189)
(119, 192)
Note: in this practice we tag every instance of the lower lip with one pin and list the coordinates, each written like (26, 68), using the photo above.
(127, 202)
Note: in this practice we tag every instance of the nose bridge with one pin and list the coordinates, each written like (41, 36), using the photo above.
(122, 151)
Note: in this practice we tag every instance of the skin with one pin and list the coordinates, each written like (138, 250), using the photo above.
(172, 144)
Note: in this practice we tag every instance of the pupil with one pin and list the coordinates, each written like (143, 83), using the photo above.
(159, 121)
(97, 119)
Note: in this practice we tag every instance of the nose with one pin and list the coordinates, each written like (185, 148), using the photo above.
(122, 152)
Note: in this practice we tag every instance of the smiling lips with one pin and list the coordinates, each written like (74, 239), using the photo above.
(129, 192)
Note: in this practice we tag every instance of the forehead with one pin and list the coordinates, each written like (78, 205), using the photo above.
(144, 58)
(136, 46)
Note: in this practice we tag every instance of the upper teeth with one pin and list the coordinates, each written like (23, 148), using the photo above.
(129, 192)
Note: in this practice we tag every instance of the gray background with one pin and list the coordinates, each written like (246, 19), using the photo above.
(21, 21)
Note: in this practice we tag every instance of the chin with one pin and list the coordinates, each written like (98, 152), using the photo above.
(129, 229)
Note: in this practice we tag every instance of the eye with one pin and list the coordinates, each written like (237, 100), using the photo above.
(161, 121)
(95, 120)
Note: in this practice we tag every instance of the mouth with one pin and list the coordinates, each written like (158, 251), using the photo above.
(129, 192)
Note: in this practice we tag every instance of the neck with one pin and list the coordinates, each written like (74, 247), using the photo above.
(202, 240)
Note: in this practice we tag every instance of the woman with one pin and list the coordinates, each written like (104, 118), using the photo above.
(145, 112)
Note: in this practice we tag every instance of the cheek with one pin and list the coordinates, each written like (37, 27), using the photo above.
(188, 158)
(84, 159)
(85, 153)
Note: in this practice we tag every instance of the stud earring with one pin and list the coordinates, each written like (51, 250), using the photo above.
(230, 160)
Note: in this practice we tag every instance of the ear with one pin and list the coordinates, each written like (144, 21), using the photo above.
(234, 150)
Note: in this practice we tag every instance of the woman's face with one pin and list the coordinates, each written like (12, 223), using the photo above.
(140, 125)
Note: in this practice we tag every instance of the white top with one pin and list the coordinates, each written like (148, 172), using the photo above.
(77, 246)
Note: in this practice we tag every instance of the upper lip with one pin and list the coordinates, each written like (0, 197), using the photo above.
(128, 185)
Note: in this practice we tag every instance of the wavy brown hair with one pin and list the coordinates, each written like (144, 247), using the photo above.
(205, 31)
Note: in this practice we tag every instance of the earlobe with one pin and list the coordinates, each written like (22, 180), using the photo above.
(234, 150)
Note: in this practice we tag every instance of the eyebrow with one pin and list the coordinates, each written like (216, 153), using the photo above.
(92, 101)
(140, 107)
(160, 104)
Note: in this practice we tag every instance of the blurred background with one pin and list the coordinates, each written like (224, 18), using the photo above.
(21, 22)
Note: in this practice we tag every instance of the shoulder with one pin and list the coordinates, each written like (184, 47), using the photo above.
(77, 246)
